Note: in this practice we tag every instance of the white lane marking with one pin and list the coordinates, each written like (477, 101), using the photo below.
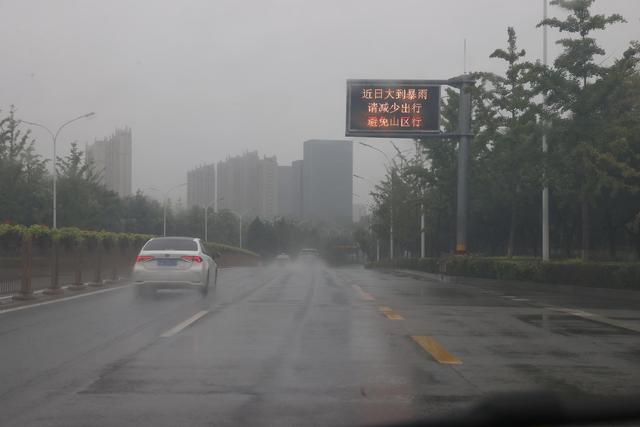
(39, 304)
(171, 332)
(597, 318)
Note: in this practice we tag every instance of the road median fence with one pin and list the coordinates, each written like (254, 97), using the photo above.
(36, 258)
(618, 275)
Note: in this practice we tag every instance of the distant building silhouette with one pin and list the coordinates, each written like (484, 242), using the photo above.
(268, 187)
(327, 181)
(248, 185)
(201, 186)
(111, 159)
(296, 186)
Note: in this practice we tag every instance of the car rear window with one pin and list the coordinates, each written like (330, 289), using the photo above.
(171, 243)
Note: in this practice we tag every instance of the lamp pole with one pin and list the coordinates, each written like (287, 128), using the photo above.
(165, 195)
(206, 219)
(377, 239)
(545, 188)
(390, 195)
(54, 137)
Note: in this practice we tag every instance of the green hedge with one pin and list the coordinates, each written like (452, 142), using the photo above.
(572, 272)
(11, 236)
(222, 248)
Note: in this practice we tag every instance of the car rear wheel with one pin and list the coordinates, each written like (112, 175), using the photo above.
(205, 289)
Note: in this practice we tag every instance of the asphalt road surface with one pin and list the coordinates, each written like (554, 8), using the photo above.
(307, 345)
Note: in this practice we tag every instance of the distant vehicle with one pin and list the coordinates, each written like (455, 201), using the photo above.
(309, 252)
(174, 263)
(283, 259)
(308, 255)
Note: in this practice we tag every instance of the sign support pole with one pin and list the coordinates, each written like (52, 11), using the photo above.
(363, 120)
(464, 128)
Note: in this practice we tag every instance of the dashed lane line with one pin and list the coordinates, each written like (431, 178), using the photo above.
(391, 315)
(364, 295)
(179, 327)
(436, 350)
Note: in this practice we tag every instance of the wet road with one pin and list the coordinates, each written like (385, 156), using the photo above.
(307, 344)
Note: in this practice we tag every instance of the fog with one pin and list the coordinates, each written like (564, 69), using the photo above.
(198, 81)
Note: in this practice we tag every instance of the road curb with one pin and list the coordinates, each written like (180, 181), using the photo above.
(522, 285)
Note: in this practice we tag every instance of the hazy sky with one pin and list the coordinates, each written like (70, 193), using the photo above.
(198, 81)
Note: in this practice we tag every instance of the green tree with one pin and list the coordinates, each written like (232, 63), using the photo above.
(82, 201)
(568, 90)
(141, 214)
(509, 134)
(24, 182)
(261, 238)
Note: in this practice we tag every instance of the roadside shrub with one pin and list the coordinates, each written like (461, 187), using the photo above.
(569, 272)
(219, 247)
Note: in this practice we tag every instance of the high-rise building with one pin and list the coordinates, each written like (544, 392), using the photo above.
(327, 182)
(111, 160)
(290, 190)
(268, 187)
(201, 186)
(296, 187)
(248, 185)
(285, 191)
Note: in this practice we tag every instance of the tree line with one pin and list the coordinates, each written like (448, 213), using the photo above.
(587, 104)
(84, 202)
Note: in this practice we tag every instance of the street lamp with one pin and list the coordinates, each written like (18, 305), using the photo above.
(206, 219)
(239, 221)
(390, 193)
(165, 195)
(54, 137)
(377, 239)
(240, 224)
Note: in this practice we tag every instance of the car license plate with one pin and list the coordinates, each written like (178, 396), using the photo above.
(167, 262)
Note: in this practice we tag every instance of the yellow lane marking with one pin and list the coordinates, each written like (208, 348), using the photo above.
(392, 315)
(435, 349)
(364, 295)
(171, 332)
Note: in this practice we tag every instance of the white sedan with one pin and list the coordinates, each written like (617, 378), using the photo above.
(174, 263)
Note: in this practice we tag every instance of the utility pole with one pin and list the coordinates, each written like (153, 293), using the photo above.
(393, 174)
(464, 128)
(422, 231)
(545, 188)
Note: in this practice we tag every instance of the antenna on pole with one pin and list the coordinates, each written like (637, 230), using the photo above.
(464, 58)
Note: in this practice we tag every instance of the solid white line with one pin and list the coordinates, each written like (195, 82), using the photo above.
(598, 318)
(24, 307)
(171, 332)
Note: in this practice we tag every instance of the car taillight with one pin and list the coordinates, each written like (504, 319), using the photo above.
(192, 258)
(143, 258)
